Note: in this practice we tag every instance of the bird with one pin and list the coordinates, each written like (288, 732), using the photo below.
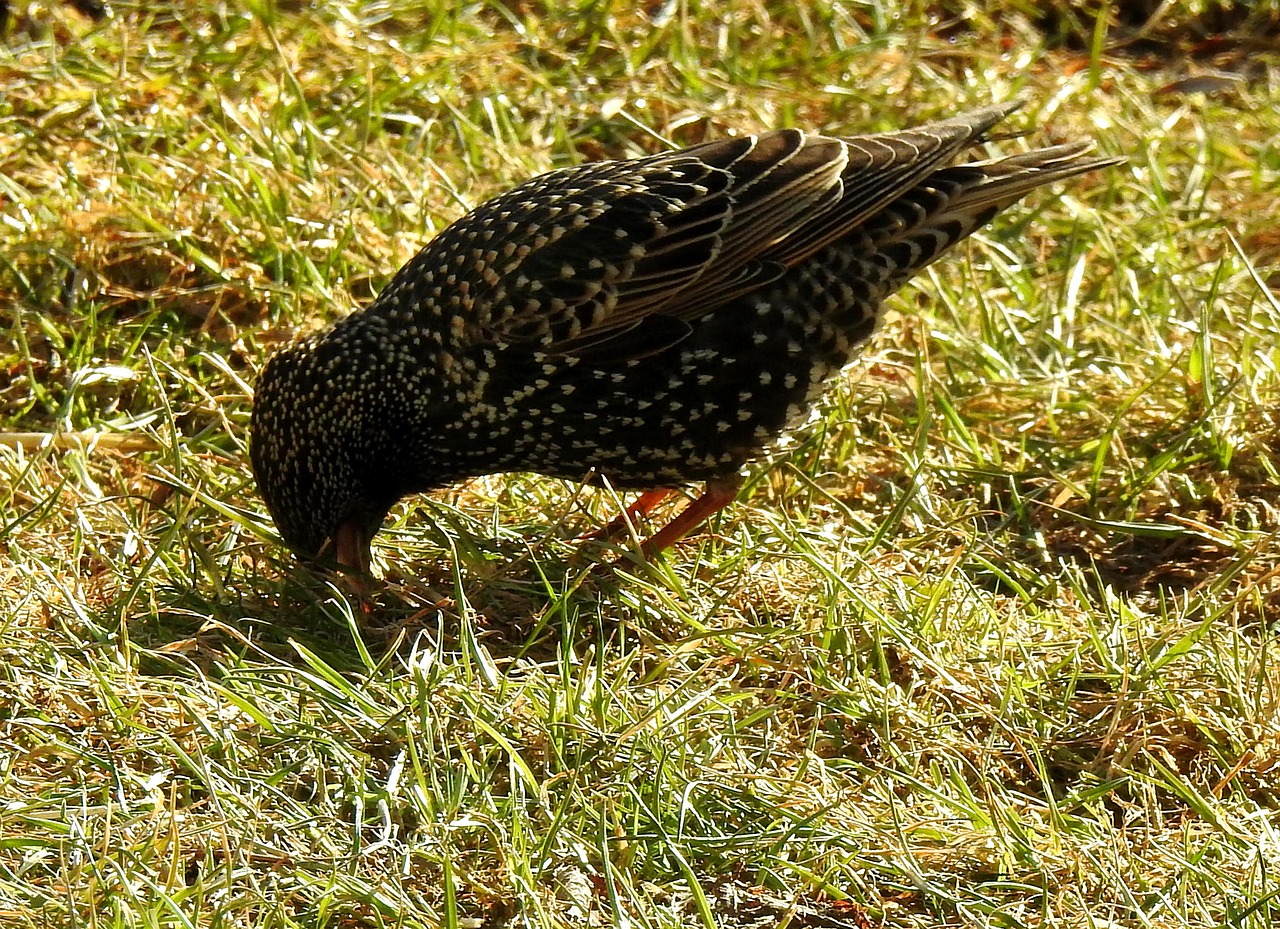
(648, 323)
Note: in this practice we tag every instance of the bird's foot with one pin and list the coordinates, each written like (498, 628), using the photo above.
(718, 493)
(643, 506)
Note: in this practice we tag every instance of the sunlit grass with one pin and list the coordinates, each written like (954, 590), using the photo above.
(992, 642)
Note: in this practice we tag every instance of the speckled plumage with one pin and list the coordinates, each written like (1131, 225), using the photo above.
(654, 322)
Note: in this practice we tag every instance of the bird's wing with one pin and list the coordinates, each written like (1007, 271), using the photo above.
(575, 255)
(583, 261)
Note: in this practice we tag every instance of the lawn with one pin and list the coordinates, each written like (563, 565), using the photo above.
(993, 641)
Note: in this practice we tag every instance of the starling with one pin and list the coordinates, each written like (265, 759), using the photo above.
(651, 323)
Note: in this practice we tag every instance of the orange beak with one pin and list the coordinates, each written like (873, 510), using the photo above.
(351, 547)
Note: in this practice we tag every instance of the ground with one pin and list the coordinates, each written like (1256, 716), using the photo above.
(992, 642)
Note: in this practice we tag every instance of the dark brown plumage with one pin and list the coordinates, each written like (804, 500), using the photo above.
(652, 322)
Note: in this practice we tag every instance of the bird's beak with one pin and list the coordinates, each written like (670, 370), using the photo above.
(352, 546)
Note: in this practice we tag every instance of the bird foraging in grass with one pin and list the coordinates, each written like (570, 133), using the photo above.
(651, 323)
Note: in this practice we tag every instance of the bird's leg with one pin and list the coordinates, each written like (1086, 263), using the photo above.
(640, 507)
(718, 494)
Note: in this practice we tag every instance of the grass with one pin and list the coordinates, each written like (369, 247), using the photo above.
(993, 642)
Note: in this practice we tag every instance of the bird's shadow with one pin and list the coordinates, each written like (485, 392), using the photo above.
(520, 600)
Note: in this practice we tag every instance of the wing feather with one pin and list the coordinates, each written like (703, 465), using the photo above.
(578, 260)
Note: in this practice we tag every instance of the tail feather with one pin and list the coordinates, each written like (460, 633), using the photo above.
(955, 201)
(1007, 180)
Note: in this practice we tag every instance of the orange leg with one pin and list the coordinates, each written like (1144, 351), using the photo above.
(719, 493)
(641, 507)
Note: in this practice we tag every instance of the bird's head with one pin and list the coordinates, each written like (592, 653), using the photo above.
(319, 454)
